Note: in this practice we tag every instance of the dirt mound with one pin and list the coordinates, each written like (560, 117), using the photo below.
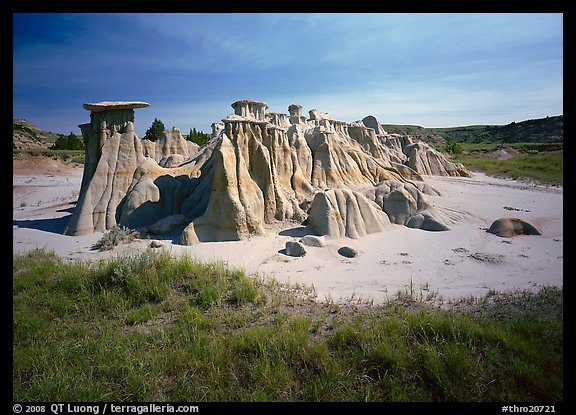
(504, 153)
(26, 164)
(27, 135)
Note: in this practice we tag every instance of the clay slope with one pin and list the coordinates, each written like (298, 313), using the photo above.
(260, 168)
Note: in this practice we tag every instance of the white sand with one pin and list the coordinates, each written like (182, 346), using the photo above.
(464, 261)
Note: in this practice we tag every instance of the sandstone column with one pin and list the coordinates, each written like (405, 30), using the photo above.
(112, 154)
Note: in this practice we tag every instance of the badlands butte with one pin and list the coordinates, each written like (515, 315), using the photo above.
(259, 168)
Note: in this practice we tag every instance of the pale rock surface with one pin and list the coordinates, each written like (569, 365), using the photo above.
(249, 109)
(406, 204)
(316, 115)
(425, 159)
(341, 213)
(170, 149)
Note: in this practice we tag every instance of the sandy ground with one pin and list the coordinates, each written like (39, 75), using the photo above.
(461, 262)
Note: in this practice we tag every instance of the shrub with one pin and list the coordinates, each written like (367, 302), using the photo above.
(114, 236)
(70, 142)
(453, 147)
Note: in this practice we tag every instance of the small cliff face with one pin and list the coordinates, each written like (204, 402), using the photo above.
(257, 169)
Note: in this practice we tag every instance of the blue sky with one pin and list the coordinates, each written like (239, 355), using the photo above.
(434, 70)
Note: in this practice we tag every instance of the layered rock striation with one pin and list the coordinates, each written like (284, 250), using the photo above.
(258, 169)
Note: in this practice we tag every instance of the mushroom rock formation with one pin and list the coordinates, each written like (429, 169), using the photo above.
(113, 152)
(316, 115)
(116, 106)
(258, 168)
(217, 128)
(248, 109)
(295, 111)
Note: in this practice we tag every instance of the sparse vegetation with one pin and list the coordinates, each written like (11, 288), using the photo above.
(75, 156)
(114, 236)
(23, 129)
(150, 327)
(27, 129)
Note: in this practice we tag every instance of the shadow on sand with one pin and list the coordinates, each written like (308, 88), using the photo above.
(54, 225)
(298, 232)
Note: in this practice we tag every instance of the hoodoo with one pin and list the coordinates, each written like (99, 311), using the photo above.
(259, 168)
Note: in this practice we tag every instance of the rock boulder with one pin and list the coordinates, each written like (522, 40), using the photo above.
(510, 227)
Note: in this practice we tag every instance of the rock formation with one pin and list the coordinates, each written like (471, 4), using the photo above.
(509, 227)
(258, 169)
(348, 252)
(344, 212)
(294, 248)
(113, 152)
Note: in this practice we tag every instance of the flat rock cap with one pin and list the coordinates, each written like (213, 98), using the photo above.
(249, 102)
(115, 105)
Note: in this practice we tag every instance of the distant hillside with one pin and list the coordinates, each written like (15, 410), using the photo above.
(541, 130)
(27, 135)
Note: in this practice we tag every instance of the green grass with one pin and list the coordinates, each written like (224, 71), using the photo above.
(538, 162)
(530, 148)
(546, 167)
(149, 327)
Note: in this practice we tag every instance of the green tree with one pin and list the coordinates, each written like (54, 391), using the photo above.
(198, 137)
(155, 130)
(452, 147)
(70, 142)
